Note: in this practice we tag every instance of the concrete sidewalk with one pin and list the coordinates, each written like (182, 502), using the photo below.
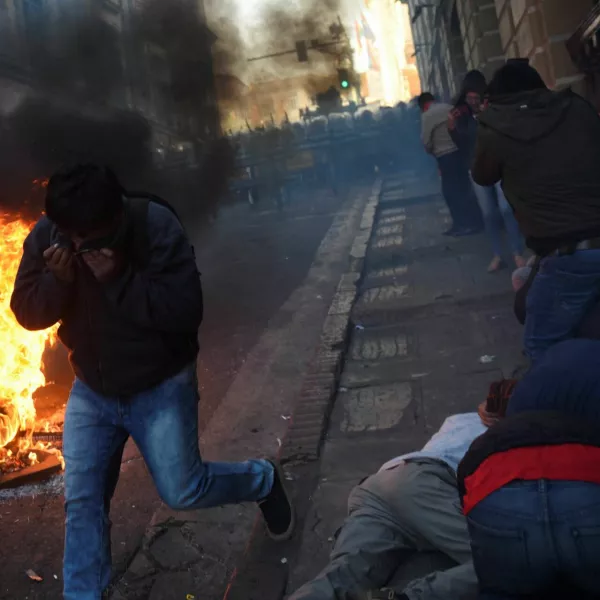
(430, 330)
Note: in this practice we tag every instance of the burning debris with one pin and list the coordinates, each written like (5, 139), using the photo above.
(21, 373)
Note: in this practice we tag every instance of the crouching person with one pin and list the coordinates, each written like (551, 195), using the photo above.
(120, 277)
(530, 485)
(411, 506)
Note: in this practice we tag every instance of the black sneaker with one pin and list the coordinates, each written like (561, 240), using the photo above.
(277, 509)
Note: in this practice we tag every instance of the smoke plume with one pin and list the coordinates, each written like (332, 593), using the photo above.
(311, 20)
(79, 76)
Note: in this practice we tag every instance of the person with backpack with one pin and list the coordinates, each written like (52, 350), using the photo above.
(119, 275)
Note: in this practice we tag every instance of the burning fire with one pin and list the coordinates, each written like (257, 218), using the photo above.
(20, 354)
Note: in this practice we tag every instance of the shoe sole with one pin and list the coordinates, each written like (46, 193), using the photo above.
(282, 537)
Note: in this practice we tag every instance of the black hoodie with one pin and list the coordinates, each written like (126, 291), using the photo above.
(545, 148)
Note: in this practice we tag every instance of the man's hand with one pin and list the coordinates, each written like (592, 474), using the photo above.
(60, 263)
(103, 264)
(452, 116)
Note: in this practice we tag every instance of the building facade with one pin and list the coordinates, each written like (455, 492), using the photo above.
(277, 100)
(453, 36)
(384, 52)
(539, 30)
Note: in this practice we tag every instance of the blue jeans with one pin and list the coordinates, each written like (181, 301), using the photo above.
(538, 539)
(164, 424)
(563, 291)
(495, 208)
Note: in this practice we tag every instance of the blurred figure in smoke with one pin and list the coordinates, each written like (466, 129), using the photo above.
(120, 276)
(545, 148)
(456, 185)
(462, 124)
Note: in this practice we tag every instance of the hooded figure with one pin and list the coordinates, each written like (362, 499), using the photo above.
(530, 485)
(545, 148)
(494, 207)
(463, 129)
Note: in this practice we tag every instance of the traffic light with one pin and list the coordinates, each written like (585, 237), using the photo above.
(344, 78)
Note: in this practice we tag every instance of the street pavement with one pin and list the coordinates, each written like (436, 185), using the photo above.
(269, 277)
(430, 329)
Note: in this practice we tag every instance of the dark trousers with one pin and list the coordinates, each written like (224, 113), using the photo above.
(538, 540)
(458, 191)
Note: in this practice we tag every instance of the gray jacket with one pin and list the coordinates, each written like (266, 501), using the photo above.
(434, 130)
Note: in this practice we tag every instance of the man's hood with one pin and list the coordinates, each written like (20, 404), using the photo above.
(527, 116)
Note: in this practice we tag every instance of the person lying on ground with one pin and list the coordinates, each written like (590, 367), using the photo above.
(410, 506)
(530, 485)
(523, 278)
(545, 148)
(119, 275)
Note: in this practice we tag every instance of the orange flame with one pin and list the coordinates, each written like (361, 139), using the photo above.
(20, 350)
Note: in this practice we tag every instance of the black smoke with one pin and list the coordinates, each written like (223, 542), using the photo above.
(82, 67)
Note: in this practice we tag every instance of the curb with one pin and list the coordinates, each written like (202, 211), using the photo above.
(308, 426)
(262, 573)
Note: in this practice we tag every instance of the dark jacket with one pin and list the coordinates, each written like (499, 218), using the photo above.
(545, 148)
(128, 335)
(464, 134)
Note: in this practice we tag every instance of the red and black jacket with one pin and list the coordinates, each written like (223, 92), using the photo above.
(525, 430)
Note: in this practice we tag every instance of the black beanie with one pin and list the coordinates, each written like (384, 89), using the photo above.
(474, 81)
(514, 77)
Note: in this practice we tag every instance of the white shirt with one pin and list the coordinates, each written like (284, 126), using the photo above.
(450, 443)
(434, 130)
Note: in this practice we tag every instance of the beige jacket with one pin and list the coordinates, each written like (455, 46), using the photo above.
(434, 130)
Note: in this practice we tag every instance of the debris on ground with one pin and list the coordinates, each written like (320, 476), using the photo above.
(486, 359)
(33, 575)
